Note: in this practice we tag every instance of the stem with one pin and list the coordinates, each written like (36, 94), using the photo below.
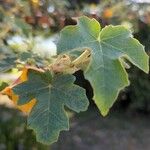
(83, 57)
(64, 64)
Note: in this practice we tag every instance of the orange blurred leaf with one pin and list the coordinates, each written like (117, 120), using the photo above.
(26, 108)
(107, 13)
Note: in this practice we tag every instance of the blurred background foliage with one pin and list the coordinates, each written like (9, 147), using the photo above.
(28, 34)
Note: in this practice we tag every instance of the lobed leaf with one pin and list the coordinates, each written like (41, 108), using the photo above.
(108, 46)
(52, 93)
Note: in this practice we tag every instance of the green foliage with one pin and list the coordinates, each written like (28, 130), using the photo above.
(48, 117)
(108, 46)
(25, 28)
(7, 63)
(100, 53)
(3, 85)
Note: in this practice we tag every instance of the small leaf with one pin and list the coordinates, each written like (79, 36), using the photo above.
(24, 56)
(3, 85)
(48, 116)
(21, 24)
(108, 46)
(7, 63)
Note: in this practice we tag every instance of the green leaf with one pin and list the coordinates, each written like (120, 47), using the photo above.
(24, 56)
(48, 116)
(21, 24)
(108, 46)
(7, 63)
(3, 85)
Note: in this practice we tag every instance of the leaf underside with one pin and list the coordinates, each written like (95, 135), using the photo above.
(108, 46)
(48, 116)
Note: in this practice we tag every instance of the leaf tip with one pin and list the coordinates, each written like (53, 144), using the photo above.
(104, 112)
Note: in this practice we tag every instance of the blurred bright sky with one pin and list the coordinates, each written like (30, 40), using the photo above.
(141, 1)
